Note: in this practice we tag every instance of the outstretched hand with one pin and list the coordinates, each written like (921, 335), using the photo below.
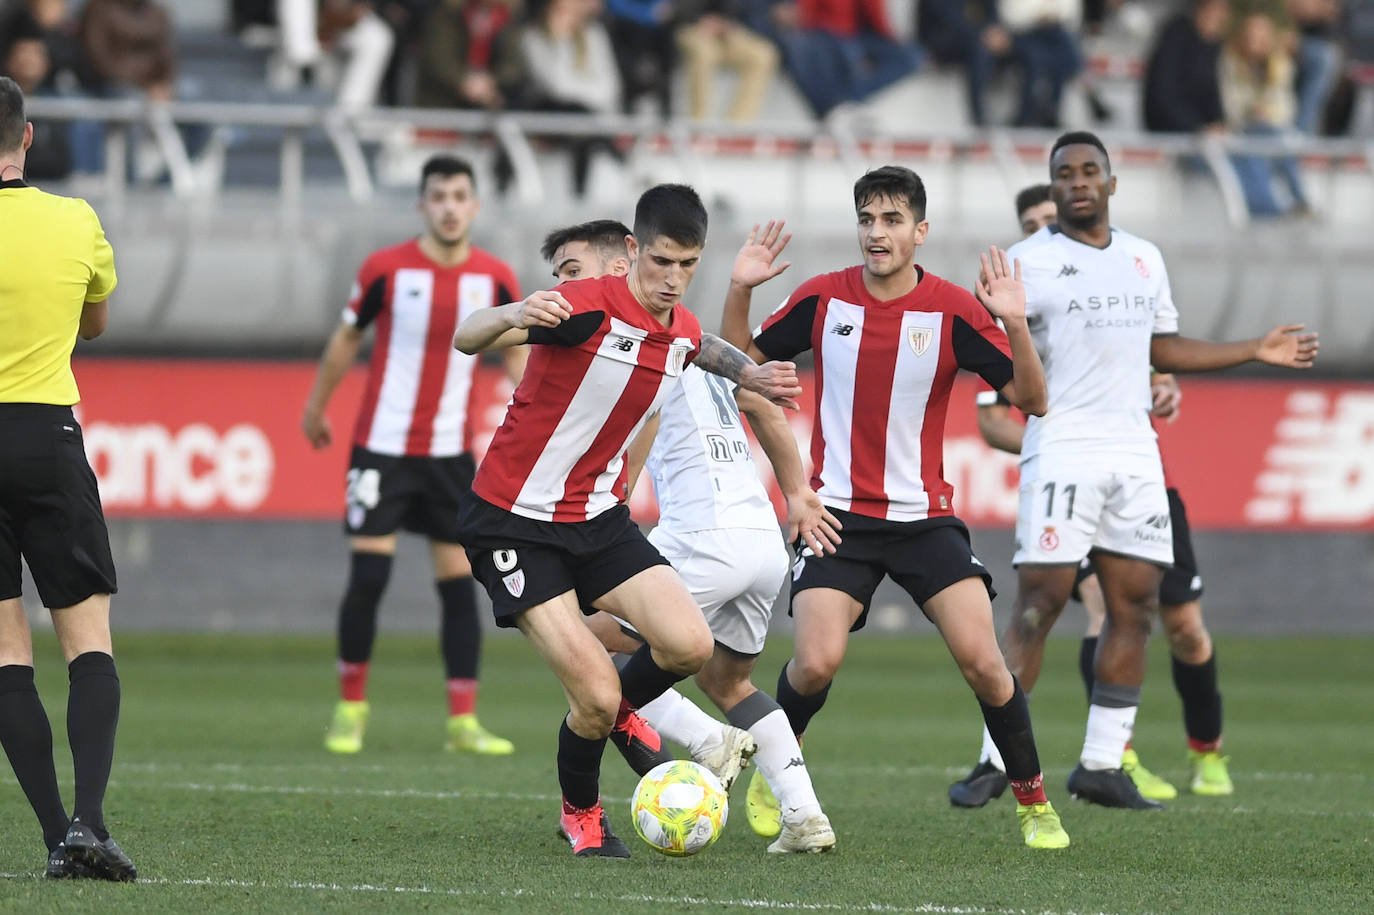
(810, 520)
(756, 262)
(776, 381)
(999, 286)
(1165, 396)
(1286, 347)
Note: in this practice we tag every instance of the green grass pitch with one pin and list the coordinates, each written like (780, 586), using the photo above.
(226, 800)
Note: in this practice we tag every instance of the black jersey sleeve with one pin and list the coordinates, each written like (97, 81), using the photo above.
(787, 331)
(372, 302)
(573, 332)
(978, 351)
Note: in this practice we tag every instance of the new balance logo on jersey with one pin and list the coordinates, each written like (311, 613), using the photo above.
(795, 761)
(624, 344)
(1068, 270)
(844, 330)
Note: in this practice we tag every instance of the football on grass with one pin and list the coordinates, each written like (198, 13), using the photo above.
(679, 808)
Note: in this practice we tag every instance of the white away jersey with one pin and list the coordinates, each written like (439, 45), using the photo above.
(1092, 312)
(703, 472)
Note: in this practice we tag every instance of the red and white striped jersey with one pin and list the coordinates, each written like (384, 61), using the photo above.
(588, 387)
(884, 371)
(418, 386)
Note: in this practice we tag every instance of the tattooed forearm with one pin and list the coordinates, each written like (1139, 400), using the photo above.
(720, 358)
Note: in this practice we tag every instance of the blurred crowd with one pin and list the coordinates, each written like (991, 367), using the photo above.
(1255, 67)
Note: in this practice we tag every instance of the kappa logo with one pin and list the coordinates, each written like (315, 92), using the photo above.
(795, 761)
(842, 329)
(1068, 270)
(624, 344)
(1320, 467)
(1140, 268)
(515, 582)
(920, 339)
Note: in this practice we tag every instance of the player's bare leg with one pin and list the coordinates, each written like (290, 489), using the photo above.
(963, 614)
(1042, 591)
(369, 570)
(460, 642)
(1131, 589)
(93, 697)
(804, 828)
(1149, 784)
(592, 685)
(1195, 677)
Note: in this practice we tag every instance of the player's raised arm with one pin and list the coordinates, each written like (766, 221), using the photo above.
(1282, 346)
(807, 517)
(755, 264)
(1000, 290)
(509, 325)
(777, 381)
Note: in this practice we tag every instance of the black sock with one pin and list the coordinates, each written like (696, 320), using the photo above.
(367, 577)
(800, 709)
(1087, 652)
(579, 767)
(460, 631)
(642, 680)
(1010, 727)
(27, 738)
(92, 716)
(1197, 687)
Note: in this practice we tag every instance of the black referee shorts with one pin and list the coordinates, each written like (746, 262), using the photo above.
(50, 508)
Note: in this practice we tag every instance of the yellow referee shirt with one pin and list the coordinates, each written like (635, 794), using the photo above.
(53, 260)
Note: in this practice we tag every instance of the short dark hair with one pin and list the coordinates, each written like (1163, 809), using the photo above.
(1031, 196)
(896, 182)
(11, 115)
(673, 211)
(606, 237)
(1076, 137)
(447, 166)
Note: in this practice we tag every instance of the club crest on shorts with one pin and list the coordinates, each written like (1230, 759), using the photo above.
(920, 339)
(1049, 540)
(515, 582)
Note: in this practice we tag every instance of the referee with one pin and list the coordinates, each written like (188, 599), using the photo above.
(56, 272)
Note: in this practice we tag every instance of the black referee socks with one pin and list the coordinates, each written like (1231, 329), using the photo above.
(27, 738)
(92, 717)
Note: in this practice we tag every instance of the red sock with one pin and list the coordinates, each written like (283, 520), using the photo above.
(626, 710)
(462, 695)
(1030, 791)
(1204, 746)
(353, 681)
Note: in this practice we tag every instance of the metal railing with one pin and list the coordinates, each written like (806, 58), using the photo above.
(348, 132)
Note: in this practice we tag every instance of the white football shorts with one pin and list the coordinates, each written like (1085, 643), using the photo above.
(1060, 518)
(734, 575)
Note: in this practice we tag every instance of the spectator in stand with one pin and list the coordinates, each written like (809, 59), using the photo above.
(1045, 46)
(325, 35)
(469, 56)
(839, 51)
(717, 38)
(1319, 57)
(1258, 96)
(24, 58)
(643, 33)
(1182, 78)
(128, 45)
(573, 70)
(965, 33)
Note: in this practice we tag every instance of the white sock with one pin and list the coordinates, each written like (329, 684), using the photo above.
(990, 752)
(780, 760)
(678, 719)
(1109, 729)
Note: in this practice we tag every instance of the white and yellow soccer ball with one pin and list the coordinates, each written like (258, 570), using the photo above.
(679, 808)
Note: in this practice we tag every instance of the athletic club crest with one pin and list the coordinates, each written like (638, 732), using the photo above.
(515, 582)
(920, 339)
(1141, 268)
